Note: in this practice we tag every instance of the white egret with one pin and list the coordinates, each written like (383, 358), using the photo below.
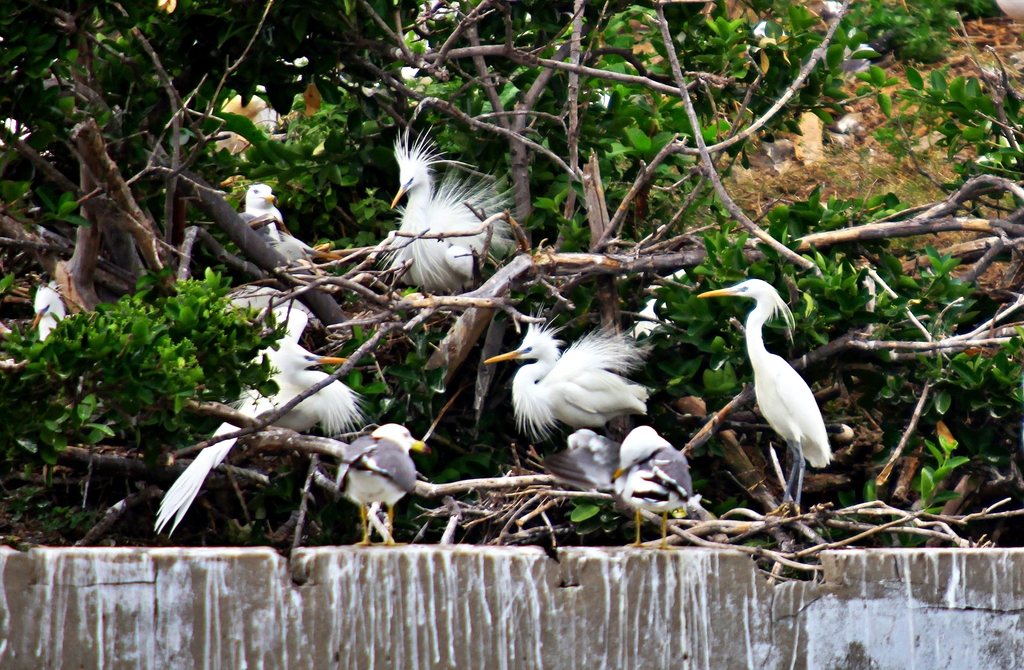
(442, 265)
(1012, 8)
(582, 387)
(645, 472)
(378, 468)
(335, 407)
(647, 325)
(49, 309)
(784, 397)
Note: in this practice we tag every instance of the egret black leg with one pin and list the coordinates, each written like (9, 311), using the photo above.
(795, 482)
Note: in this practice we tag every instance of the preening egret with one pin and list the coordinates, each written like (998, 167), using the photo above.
(377, 468)
(261, 213)
(442, 265)
(784, 397)
(335, 407)
(1012, 8)
(582, 387)
(647, 325)
(645, 472)
(49, 309)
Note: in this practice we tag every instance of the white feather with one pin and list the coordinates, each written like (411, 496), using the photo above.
(582, 387)
(336, 408)
(447, 209)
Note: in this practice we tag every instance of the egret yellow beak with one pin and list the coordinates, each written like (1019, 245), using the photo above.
(35, 322)
(420, 446)
(402, 191)
(722, 292)
(330, 360)
(510, 356)
(272, 199)
(618, 473)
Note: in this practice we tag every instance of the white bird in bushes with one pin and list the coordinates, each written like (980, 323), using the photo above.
(442, 265)
(378, 468)
(784, 397)
(644, 472)
(263, 215)
(335, 407)
(582, 387)
(49, 308)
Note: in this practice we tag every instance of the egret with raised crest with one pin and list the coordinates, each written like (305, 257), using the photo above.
(583, 387)
(452, 208)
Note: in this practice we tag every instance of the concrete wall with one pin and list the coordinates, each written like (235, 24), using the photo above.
(469, 607)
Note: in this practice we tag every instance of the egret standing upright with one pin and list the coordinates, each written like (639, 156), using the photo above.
(582, 387)
(784, 397)
(49, 309)
(442, 265)
(335, 407)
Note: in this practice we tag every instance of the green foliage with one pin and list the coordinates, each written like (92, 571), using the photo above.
(125, 372)
(916, 31)
(945, 464)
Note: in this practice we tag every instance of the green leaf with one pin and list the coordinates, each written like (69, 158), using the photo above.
(914, 79)
(638, 139)
(885, 103)
(942, 402)
(584, 511)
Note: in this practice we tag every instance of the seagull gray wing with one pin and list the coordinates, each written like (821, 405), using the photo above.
(355, 451)
(389, 460)
(672, 471)
(589, 463)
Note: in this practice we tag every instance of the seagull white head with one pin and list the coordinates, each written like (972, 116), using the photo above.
(259, 198)
(414, 161)
(401, 436)
(638, 447)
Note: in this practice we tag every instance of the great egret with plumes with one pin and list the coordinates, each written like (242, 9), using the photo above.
(644, 472)
(49, 309)
(784, 397)
(582, 387)
(378, 468)
(335, 407)
(442, 265)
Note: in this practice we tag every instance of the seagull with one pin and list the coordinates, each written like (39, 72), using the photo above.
(377, 468)
(335, 407)
(266, 219)
(49, 309)
(442, 265)
(785, 399)
(645, 472)
(582, 387)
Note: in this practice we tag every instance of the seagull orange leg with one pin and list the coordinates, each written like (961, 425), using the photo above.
(638, 521)
(366, 527)
(664, 530)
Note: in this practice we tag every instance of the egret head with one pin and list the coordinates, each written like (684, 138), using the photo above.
(761, 291)
(401, 436)
(539, 344)
(48, 302)
(639, 445)
(414, 161)
(259, 198)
